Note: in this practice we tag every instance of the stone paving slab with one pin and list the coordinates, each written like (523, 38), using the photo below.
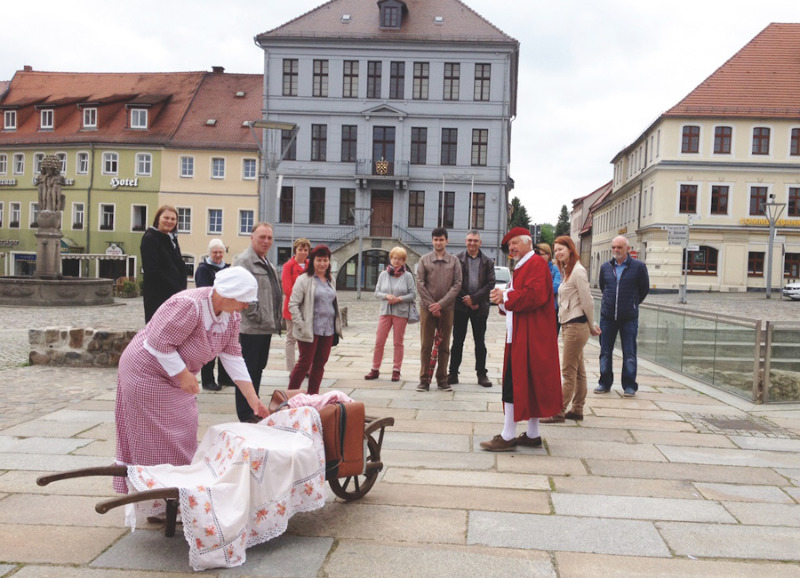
(8, 568)
(721, 456)
(56, 510)
(635, 414)
(364, 559)
(438, 460)
(430, 427)
(683, 439)
(30, 571)
(690, 472)
(414, 441)
(453, 498)
(52, 463)
(24, 482)
(730, 541)
(475, 479)
(50, 429)
(765, 514)
(377, 522)
(26, 543)
(637, 424)
(640, 508)
(70, 415)
(537, 464)
(767, 443)
(563, 533)
(285, 556)
(743, 493)
(606, 450)
(573, 430)
(625, 487)
(579, 565)
(39, 445)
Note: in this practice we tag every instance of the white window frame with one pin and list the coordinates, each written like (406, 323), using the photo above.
(245, 175)
(62, 156)
(38, 159)
(144, 164)
(184, 220)
(3, 164)
(47, 119)
(78, 210)
(14, 210)
(246, 224)
(211, 229)
(90, 117)
(214, 174)
(134, 208)
(107, 158)
(79, 168)
(10, 120)
(34, 213)
(186, 171)
(1, 213)
(102, 214)
(139, 118)
(19, 164)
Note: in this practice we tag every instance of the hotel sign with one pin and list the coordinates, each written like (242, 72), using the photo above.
(115, 183)
(8, 182)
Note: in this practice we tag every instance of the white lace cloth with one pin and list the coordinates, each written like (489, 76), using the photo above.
(244, 484)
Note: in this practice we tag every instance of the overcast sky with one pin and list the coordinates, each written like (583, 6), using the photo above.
(593, 73)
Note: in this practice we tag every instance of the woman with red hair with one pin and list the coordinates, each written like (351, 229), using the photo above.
(576, 314)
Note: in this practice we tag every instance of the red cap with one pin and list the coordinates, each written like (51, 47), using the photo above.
(515, 232)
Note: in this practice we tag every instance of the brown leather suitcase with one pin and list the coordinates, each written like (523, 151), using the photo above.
(342, 434)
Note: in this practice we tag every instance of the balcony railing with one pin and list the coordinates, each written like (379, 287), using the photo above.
(382, 168)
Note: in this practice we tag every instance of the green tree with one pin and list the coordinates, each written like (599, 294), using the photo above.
(562, 226)
(547, 234)
(519, 215)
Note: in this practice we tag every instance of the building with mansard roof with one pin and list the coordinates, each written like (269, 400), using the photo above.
(716, 162)
(403, 112)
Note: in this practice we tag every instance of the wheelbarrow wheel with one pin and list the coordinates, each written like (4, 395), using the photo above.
(352, 488)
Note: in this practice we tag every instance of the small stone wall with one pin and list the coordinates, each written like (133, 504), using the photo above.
(76, 347)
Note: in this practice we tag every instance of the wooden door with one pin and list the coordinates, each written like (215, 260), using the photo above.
(381, 219)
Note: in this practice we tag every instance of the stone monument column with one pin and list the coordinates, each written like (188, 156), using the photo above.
(51, 204)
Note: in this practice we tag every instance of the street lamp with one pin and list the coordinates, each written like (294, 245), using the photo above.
(268, 183)
(773, 212)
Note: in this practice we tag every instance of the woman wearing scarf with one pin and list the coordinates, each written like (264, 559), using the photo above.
(396, 290)
(162, 264)
(204, 277)
(156, 407)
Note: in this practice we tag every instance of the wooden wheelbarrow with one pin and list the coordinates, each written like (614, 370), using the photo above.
(346, 483)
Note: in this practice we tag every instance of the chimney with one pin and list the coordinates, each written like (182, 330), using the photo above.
(217, 69)
(27, 68)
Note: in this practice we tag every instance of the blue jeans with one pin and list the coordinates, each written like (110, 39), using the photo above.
(628, 331)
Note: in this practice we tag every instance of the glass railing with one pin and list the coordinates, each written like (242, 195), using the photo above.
(757, 360)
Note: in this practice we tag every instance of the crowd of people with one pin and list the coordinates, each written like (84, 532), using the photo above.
(230, 317)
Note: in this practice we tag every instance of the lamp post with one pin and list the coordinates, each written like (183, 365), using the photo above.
(773, 212)
(268, 177)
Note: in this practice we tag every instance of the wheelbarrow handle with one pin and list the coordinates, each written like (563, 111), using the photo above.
(121, 471)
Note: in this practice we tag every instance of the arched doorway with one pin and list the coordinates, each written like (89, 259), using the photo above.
(374, 261)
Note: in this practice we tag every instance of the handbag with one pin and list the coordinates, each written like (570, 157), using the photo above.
(413, 313)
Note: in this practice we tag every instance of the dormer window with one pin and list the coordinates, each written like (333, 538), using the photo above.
(10, 120)
(46, 119)
(139, 118)
(391, 13)
(90, 117)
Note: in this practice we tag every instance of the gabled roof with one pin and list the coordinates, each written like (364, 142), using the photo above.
(459, 23)
(228, 100)
(761, 80)
(167, 95)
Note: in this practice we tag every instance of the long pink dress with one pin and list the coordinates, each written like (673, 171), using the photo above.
(156, 420)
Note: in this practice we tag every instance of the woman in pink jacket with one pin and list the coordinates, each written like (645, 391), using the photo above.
(292, 269)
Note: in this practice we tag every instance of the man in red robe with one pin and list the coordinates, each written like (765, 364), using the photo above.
(531, 370)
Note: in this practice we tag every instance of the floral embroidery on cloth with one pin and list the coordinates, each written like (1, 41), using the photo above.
(244, 483)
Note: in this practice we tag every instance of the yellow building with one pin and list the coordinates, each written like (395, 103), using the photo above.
(702, 176)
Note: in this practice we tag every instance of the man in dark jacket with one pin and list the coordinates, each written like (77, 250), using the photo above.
(472, 305)
(624, 282)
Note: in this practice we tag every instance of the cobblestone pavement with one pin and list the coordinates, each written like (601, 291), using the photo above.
(681, 480)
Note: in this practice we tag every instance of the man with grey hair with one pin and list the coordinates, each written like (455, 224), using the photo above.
(624, 282)
(472, 306)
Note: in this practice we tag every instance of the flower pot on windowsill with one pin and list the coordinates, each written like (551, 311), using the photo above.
(13, 225)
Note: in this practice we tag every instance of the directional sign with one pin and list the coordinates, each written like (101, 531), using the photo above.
(693, 247)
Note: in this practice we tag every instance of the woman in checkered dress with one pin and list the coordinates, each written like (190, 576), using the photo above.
(156, 408)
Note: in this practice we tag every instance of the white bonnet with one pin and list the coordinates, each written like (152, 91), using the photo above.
(236, 283)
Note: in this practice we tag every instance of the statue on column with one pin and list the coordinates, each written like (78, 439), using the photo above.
(51, 203)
